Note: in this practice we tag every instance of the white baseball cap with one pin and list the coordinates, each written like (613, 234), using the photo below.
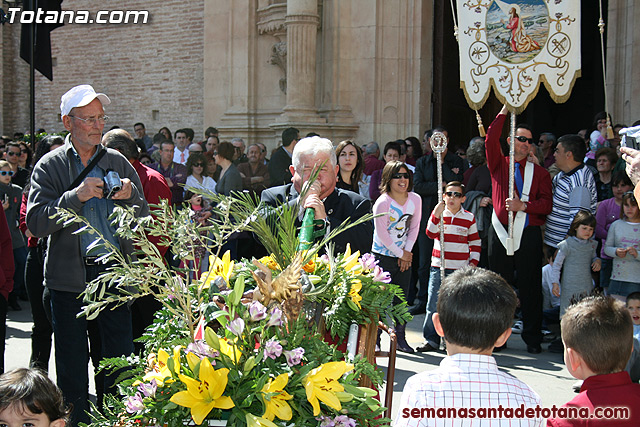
(80, 96)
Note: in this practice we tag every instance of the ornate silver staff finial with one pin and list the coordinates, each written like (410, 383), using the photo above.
(438, 143)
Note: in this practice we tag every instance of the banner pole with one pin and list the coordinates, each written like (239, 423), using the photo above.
(512, 135)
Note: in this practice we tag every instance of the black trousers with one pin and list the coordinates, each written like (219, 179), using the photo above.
(523, 270)
(42, 331)
(399, 278)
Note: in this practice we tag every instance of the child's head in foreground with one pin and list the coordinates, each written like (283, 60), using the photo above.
(27, 396)
(598, 337)
(633, 305)
(475, 309)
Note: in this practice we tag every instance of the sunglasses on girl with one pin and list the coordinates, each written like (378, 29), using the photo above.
(5, 173)
(400, 175)
(455, 194)
(198, 165)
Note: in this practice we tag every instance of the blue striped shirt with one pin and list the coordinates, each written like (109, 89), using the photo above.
(572, 191)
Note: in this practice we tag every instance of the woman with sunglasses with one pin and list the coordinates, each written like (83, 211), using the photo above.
(26, 156)
(197, 176)
(396, 231)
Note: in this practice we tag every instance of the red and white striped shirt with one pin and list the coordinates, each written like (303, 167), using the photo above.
(461, 239)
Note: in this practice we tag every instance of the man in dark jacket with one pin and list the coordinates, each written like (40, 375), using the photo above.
(332, 205)
(280, 162)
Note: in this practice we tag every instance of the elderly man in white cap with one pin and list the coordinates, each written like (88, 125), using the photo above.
(73, 177)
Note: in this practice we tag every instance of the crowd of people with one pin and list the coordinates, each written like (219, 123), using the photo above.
(574, 211)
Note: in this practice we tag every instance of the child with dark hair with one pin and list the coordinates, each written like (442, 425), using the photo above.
(623, 241)
(28, 397)
(598, 334)
(461, 246)
(577, 254)
(475, 311)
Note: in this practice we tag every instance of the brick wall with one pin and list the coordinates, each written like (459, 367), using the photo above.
(142, 67)
(15, 83)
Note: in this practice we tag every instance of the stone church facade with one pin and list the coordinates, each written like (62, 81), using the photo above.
(358, 69)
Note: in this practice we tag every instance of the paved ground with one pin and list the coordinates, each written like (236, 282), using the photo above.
(545, 372)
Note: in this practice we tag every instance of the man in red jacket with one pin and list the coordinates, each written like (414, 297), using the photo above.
(533, 198)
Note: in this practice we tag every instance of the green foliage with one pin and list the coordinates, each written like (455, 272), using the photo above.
(337, 289)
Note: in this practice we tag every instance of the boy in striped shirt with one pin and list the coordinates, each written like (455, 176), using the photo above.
(461, 248)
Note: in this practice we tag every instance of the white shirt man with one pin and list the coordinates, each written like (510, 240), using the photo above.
(181, 150)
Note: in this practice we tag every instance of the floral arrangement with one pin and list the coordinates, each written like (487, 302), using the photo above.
(246, 341)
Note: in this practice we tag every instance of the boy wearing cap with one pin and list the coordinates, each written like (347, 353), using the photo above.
(70, 262)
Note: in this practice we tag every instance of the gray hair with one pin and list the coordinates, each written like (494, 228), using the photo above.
(475, 153)
(371, 147)
(313, 146)
(551, 137)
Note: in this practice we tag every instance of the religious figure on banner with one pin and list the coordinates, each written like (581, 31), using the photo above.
(520, 41)
(517, 34)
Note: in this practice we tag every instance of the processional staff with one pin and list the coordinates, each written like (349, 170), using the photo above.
(438, 143)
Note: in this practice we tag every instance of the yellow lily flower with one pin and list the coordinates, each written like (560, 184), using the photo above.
(233, 352)
(354, 292)
(322, 384)
(347, 252)
(160, 370)
(269, 262)
(192, 360)
(350, 261)
(254, 421)
(204, 395)
(219, 267)
(275, 398)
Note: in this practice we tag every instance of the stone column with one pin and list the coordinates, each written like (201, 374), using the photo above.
(302, 27)
(623, 61)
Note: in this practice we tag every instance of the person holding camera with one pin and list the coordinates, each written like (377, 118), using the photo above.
(73, 178)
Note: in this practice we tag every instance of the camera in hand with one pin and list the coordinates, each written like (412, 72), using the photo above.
(112, 184)
(631, 137)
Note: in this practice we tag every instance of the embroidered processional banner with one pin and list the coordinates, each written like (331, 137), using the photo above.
(514, 46)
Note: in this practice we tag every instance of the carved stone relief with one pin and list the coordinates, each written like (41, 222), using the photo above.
(279, 58)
